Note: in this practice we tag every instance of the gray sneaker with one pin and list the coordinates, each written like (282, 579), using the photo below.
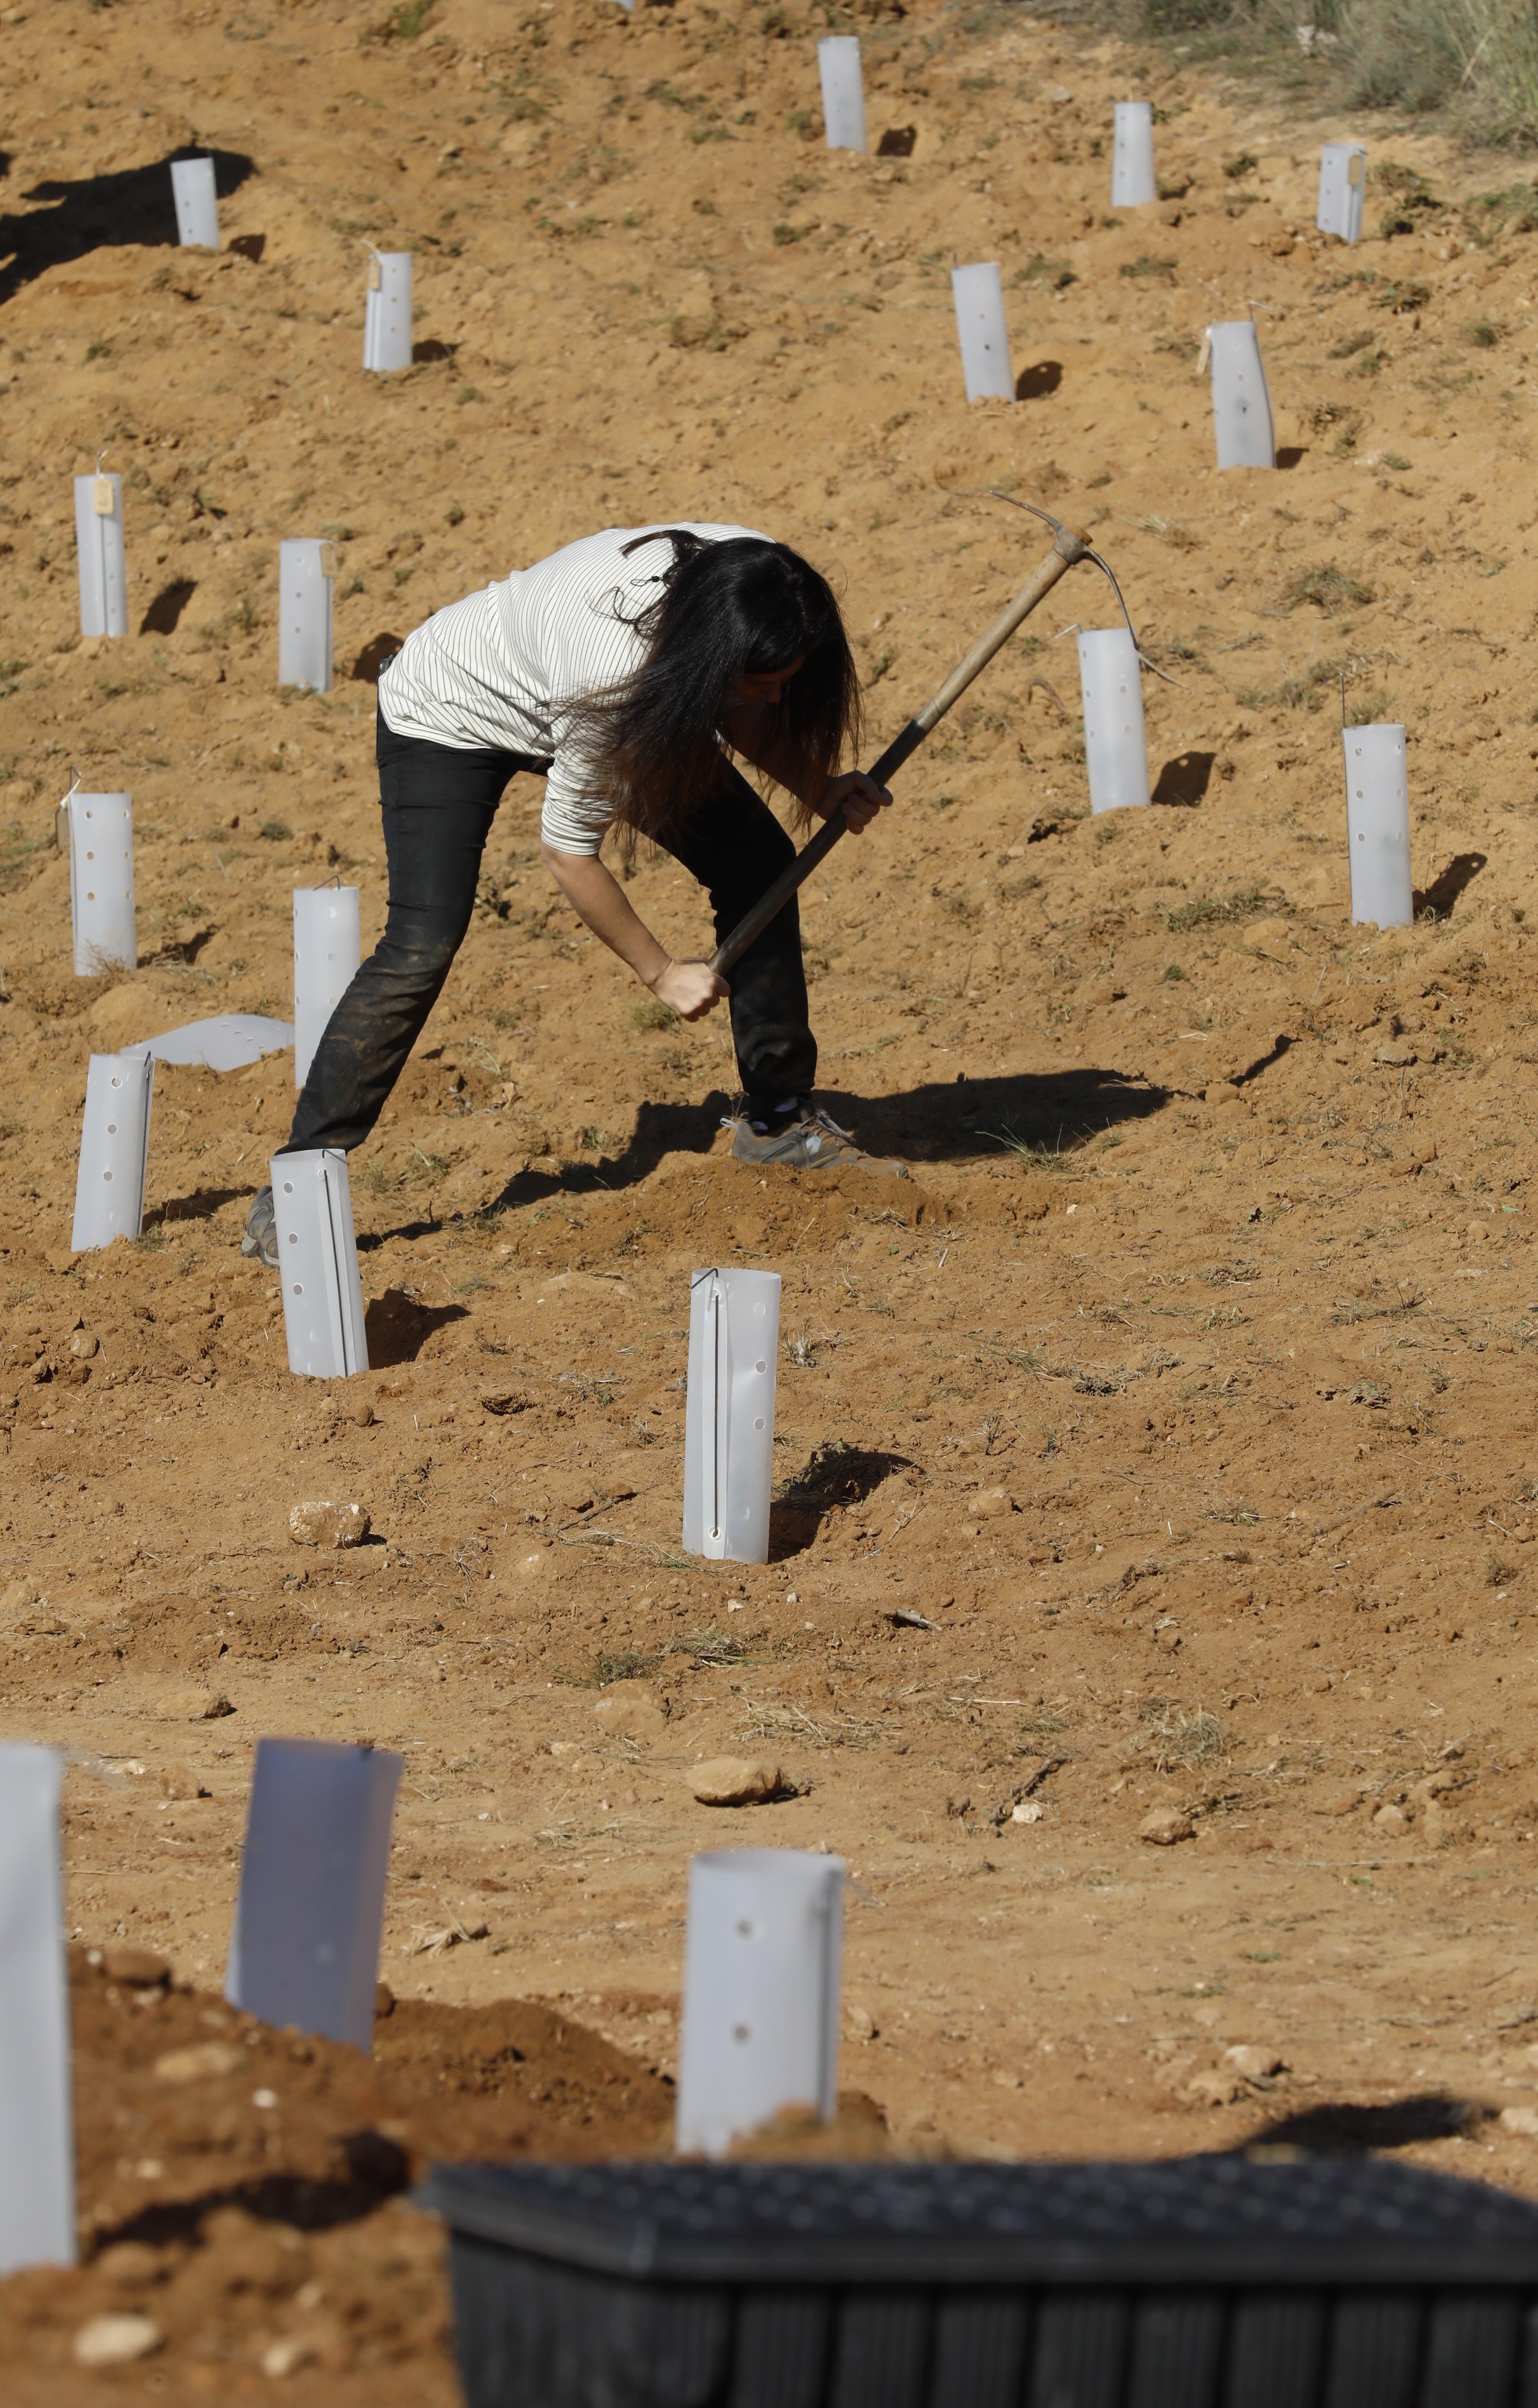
(261, 1237)
(809, 1142)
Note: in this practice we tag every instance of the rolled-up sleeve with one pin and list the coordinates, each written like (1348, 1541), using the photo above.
(573, 820)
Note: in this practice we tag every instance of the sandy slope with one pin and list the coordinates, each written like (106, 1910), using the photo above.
(1207, 1445)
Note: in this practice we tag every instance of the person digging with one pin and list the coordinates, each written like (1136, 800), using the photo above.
(626, 669)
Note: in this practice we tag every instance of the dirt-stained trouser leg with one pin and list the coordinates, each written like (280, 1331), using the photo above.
(437, 806)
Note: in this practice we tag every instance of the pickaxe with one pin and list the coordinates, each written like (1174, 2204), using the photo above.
(1067, 550)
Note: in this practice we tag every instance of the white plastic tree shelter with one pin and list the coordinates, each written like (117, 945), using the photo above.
(728, 1422)
(1377, 826)
(843, 92)
(318, 1264)
(114, 1150)
(305, 590)
(98, 541)
(231, 1041)
(1115, 748)
(1132, 179)
(1343, 189)
(978, 291)
(1242, 420)
(387, 313)
(307, 1923)
(36, 2148)
(762, 1959)
(326, 952)
(196, 204)
(101, 882)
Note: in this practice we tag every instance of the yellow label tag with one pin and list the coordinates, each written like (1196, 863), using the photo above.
(1203, 355)
(376, 274)
(103, 499)
(1356, 168)
(329, 560)
(61, 827)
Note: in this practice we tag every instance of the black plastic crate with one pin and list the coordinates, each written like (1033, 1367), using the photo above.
(1204, 2282)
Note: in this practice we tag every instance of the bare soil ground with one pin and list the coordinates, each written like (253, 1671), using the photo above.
(1186, 1387)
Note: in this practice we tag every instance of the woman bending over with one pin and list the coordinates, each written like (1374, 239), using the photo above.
(624, 670)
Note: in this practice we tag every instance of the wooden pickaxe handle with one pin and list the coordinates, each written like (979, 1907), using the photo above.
(1067, 549)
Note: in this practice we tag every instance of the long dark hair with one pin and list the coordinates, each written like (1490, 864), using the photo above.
(651, 746)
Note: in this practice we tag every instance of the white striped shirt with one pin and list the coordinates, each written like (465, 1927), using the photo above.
(502, 669)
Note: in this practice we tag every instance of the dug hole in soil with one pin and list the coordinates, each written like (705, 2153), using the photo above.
(1149, 1622)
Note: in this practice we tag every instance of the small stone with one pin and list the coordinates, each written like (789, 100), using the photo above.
(1165, 1826)
(137, 1969)
(960, 1806)
(129, 2265)
(116, 2340)
(324, 1523)
(1392, 1819)
(630, 1709)
(1254, 2064)
(286, 2357)
(1397, 1056)
(1214, 2089)
(195, 1706)
(84, 1345)
(991, 1502)
(858, 2022)
(507, 1400)
(384, 2000)
(364, 1416)
(1520, 2119)
(1027, 1811)
(179, 1781)
(202, 2060)
(734, 1780)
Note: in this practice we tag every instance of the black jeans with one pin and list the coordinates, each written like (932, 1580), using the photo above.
(437, 806)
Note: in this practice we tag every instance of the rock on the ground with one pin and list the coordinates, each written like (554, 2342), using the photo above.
(1523, 2120)
(1165, 1826)
(137, 1969)
(734, 1780)
(116, 2340)
(195, 1706)
(323, 1522)
(1214, 2089)
(632, 1710)
(992, 1502)
(201, 2060)
(1254, 2064)
(178, 1781)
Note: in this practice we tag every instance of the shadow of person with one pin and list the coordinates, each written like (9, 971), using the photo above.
(167, 607)
(371, 661)
(660, 1130)
(201, 1205)
(1184, 780)
(397, 1326)
(1437, 901)
(86, 213)
(835, 1475)
(1340, 2128)
(971, 1119)
(1035, 383)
